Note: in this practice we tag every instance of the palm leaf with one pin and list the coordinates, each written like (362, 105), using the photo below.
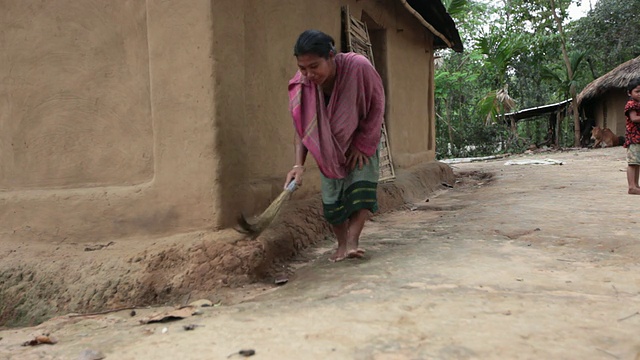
(487, 107)
(548, 73)
(455, 7)
(504, 100)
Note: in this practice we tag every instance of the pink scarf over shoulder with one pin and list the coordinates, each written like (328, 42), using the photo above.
(354, 114)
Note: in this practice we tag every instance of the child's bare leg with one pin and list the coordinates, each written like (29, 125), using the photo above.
(633, 173)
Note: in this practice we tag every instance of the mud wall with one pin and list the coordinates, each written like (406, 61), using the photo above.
(254, 66)
(106, 119)
(611, 107)
(411, 113)
(140, 118)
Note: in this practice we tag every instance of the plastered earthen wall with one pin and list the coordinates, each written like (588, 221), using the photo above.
(255, 64)
(132, 118)
(106, 119)
(612, 103)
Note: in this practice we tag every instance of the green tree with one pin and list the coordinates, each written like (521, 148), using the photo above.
(608, 35)
(499, 52)
(557, 15)
(531, 49)
(560, 77)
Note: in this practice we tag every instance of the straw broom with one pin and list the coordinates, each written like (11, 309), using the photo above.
(261, 222)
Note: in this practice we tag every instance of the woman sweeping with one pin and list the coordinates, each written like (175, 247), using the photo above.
(337, 104)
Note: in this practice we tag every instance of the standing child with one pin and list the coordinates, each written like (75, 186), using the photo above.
(632, 134)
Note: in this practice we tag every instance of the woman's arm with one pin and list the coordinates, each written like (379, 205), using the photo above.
(297, 171)
(300, 151)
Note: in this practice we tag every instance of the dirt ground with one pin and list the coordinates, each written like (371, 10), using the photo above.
(41, 278)
(513, 262)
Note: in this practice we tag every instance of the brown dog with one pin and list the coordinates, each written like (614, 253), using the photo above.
(604, 137)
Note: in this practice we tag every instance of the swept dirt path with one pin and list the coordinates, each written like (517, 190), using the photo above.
(528, 262)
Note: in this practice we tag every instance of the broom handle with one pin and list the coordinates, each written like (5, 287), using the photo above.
(291, 186)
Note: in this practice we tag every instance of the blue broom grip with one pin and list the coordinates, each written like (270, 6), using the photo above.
(291, 186)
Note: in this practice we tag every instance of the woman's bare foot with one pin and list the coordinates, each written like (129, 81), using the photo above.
(634, 191)
(353, 251)
(355, 254)
(339, 255)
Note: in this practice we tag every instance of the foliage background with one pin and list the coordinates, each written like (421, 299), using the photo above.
(513, 60)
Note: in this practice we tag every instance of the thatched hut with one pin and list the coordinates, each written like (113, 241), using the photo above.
(601, 102)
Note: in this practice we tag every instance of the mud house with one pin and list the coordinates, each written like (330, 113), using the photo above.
(602, 101)
(150, 117)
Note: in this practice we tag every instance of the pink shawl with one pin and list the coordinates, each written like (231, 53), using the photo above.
(354, 115)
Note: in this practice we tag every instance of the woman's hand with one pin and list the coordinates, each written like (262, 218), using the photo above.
(356, 158)
(295, 174)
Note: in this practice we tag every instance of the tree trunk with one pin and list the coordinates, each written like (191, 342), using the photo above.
(576, 117)
(572, 88)
(449, 127)
(593, 72)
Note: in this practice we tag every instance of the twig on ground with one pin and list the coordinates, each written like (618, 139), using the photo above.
(608, 353)
(105, 311)
(630, 316)
(98, 247)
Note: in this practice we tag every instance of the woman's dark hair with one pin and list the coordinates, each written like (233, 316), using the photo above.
(633, 84)
(314, 42)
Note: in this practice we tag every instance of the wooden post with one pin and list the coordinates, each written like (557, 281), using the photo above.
(558, 129)
(551, 130)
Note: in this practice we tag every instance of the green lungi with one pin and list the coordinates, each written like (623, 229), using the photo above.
(342, 197)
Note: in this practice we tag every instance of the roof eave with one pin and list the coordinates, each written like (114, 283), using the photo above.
(451, 40)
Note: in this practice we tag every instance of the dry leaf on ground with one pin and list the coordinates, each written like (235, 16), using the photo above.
(41, 339)
(172, 315)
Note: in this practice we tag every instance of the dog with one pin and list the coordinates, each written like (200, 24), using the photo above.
(605, 137)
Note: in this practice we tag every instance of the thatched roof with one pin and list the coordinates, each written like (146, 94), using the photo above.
(617, 78)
